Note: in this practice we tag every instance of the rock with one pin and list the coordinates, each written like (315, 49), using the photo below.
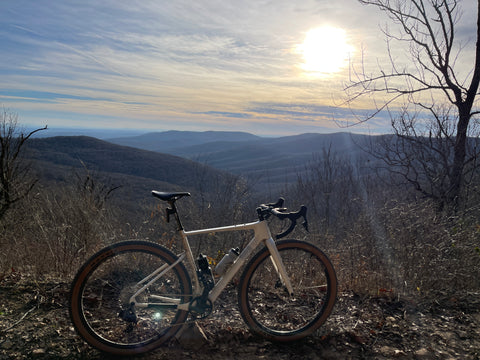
(389, 351)
(7, 344)
(191, 336)
(423, 353)
(399, 353)
(38, 352)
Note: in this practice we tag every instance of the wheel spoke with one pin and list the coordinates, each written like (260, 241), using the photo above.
(101, 308)
(270, 310)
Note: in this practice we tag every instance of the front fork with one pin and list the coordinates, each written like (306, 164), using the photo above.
(278, 264)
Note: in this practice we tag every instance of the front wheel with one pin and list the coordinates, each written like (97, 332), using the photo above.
(264, 301)
(100, 306)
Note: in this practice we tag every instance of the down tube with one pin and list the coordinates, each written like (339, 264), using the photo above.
(225, 279)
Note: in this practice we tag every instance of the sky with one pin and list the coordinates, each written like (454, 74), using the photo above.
(268, 67)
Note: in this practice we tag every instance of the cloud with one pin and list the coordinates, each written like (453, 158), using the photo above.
(180, 63)
(294, 110)
(228, 114)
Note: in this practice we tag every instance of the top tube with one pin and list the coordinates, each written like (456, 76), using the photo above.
(238, 227)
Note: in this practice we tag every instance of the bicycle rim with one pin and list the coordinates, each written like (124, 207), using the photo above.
(101, 293)
(265, 303)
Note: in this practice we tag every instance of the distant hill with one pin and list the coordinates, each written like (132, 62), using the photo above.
(104, 133)
(205, 169)
(56, 158)
(272, 161)
(169, 141)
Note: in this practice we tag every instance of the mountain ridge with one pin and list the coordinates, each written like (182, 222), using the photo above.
(165, 141)
(56, 156)
(269, 163)
(273, 160)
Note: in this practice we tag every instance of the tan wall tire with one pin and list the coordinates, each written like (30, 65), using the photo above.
(102, 285)
(266, 306)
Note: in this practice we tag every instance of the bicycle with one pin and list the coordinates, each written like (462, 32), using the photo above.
(133, 296)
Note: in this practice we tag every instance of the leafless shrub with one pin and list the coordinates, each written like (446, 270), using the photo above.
(383, 238)
(56, 228)
(16, 181)
(406, 249)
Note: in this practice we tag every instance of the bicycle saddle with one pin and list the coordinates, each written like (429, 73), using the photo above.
(169, 196)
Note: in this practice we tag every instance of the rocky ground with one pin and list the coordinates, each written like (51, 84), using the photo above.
(34, 324)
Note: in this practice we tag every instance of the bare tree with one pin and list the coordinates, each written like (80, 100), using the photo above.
(14, 180)
(421, 155)
(433, 85)
(327, 186)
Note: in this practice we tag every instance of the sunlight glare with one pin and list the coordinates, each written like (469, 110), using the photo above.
(325, 50)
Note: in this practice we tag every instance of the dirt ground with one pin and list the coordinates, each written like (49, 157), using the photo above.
(34, 324)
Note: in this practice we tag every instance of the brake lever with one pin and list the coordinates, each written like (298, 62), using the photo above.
(305, 225)
(303, 213)
(276, 205)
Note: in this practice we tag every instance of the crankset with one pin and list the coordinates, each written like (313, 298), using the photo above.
(200, 307)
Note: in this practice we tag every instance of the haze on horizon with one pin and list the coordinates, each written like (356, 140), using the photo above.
(264, 67)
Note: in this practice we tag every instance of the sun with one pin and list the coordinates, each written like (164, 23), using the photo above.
(325, 50)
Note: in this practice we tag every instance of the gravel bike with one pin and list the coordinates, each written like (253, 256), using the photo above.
(133, 296)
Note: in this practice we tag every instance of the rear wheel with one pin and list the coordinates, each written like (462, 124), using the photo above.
(100, 298)
(264, 301)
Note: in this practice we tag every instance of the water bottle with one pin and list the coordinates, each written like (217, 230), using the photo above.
(226, 261)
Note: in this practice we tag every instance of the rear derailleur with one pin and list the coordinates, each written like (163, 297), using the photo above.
(130, 316)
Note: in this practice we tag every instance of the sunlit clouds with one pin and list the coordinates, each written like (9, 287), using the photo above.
(182, 65)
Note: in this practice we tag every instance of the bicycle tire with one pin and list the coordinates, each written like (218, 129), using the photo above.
(265, 304)
(102, 288)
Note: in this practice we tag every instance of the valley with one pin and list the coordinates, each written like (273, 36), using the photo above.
(175, 160)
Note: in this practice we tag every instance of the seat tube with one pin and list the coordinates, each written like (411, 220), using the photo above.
(191, 259)
(278, 263)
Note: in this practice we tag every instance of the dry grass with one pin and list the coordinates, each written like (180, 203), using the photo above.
(395, 248)
(54, 230)
(407, 250)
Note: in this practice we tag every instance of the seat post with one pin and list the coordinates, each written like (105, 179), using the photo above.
(172, 210)
(171, 197)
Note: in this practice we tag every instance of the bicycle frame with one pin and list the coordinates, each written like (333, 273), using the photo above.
(261, 234)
